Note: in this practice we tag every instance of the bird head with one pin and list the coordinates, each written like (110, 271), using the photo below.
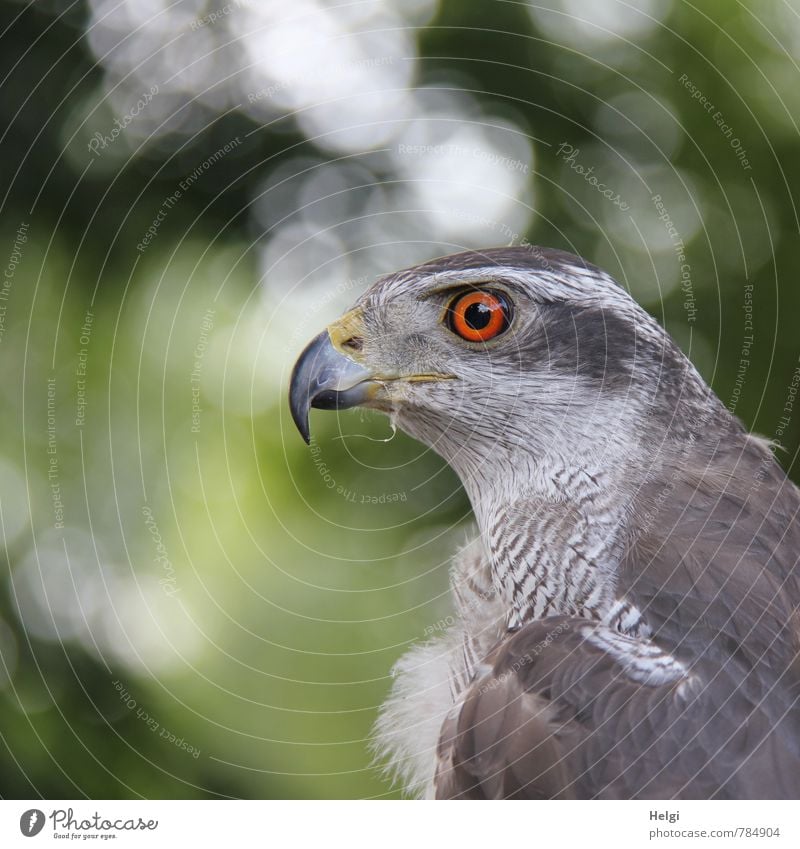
(500, 358)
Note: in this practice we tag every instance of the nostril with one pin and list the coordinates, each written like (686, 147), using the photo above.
(354, 343)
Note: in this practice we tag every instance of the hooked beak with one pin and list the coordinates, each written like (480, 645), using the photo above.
(331, 373)
(326, 379)
(328, 375)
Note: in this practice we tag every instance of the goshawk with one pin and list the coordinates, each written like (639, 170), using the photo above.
(627, 618)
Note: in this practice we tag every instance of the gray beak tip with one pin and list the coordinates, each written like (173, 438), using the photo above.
(305, 432)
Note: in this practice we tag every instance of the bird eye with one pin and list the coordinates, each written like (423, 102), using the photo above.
(478, 316)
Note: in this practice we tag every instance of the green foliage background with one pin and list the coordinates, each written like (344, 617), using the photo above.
(266, 643)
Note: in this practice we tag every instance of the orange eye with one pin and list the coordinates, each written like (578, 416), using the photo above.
(478, 316)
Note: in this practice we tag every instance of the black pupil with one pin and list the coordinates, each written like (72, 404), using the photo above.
(477, 316)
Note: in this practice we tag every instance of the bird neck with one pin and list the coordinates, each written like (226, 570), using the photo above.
(555, 544)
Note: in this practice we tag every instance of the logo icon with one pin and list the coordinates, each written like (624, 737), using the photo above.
(31, 822)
